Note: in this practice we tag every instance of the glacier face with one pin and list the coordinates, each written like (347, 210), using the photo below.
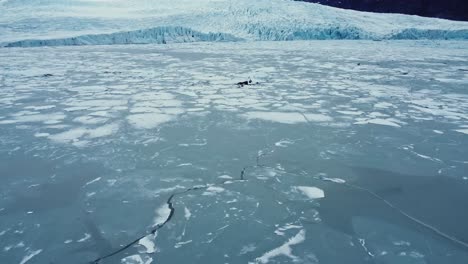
(159, 35)
(57, 22)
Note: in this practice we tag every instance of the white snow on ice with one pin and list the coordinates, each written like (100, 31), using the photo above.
(311, 192)
(283, 250)
(148, 243)
(162, 214)
(31, 254)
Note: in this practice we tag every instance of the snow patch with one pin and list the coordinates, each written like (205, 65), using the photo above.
(311, 192)
(148, 120)
(162, 214)
(213, 190)
(187, 213)
(284, 143)
(85, 238)
(137, 259)
(280, 117)
(31, 254)
(180, 244)
(464, 131)
(148, 243)
(378, 121)
(335, 180)
(284, 250)
(93, 181)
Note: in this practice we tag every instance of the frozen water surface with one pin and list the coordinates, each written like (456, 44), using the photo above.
(344, 152)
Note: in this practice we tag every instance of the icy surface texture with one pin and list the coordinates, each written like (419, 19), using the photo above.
(96, 140)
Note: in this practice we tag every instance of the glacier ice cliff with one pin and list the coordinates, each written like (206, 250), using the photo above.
(56, 23)
(158, 35)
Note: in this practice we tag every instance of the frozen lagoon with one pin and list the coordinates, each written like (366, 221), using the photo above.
(350, 152)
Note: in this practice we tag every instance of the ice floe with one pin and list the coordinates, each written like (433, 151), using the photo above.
(149, 120)
(85, 238)
(284, 250)
(162, 214)
(187, 213)
(213, 190)
(148, 243)
(137, 259)
(31, 254)
(311, 192)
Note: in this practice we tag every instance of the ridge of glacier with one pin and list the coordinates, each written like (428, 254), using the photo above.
(158, 35)
(165, 21)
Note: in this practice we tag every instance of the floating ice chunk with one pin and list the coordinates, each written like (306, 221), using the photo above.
(170, 189)
(187, 213)
(311, 192)
(215, 189)
(464, 131)
(284, 250)
(76, 108)
(212, 190)
(194, 144)
(335, 180)
(383, 105)
(148, 120)
(31, 254)
(378, 121)
(184, 164)
(41, 134)
(415, 254)
(68, 136)
(86, 237)
(43, 107)
(8, 122)
(103, 131)
(280, 231)
(148, 243)
(100, 113)
(248, 248)
(90, 120)
(162, 214)
(179, 244)
(318, 118)
(144, 109)
(426, 157)
(402, 243)
(137, 259)
(280, 117)
(284, 143)
(287, 117)
(173, 111)
(47, 118)
(345, 112)
(93, 181)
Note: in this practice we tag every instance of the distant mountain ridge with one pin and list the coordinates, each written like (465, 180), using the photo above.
(448, 9)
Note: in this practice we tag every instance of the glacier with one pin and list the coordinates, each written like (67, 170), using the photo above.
(159, 35)
(83, 22)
